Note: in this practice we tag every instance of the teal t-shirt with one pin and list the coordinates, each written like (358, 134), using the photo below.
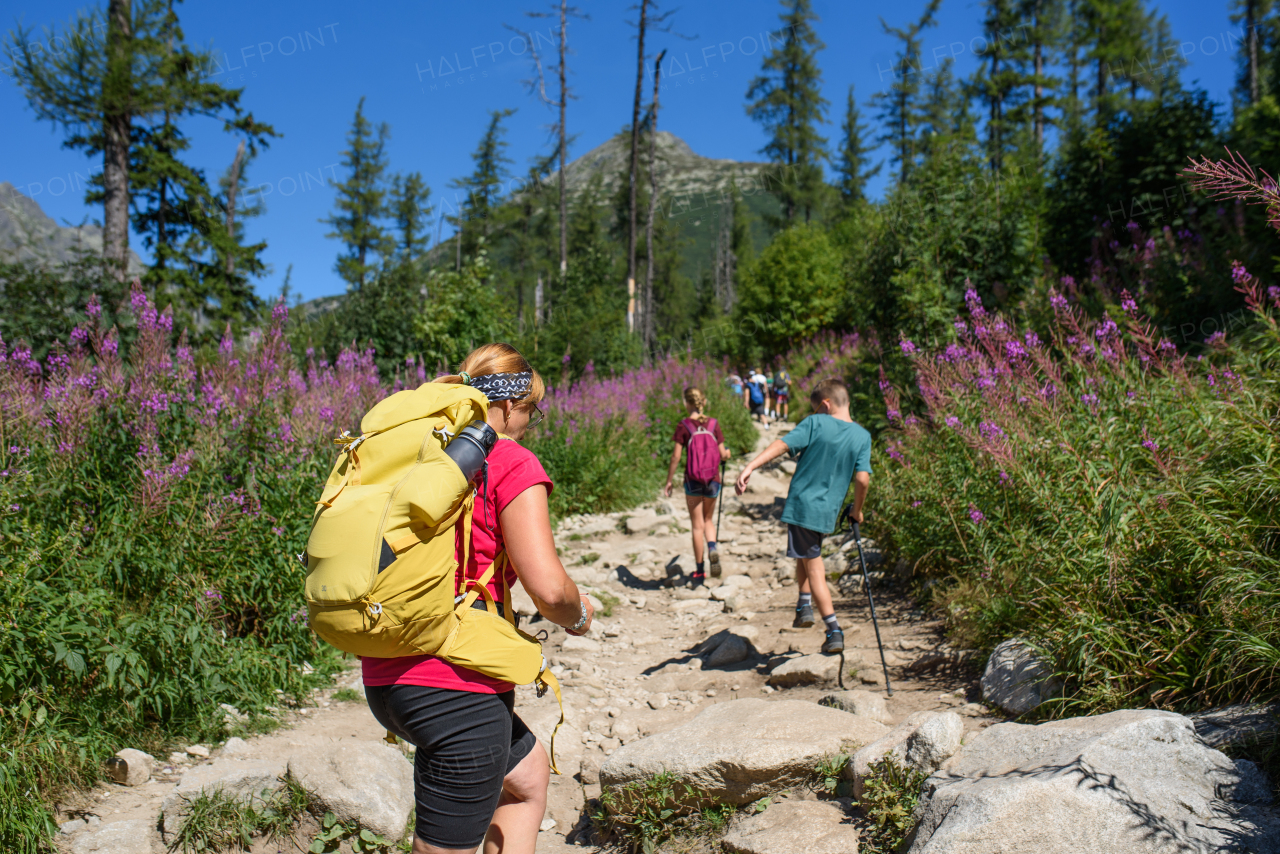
(831, 451)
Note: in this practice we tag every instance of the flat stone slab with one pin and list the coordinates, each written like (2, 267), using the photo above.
(369, 783)
(742, 750)
(243, 779)
(795, 827)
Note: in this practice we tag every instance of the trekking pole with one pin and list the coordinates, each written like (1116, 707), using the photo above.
(866, 580)
(720, 504)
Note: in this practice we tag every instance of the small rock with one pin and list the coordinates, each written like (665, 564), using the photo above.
(680, 565)
(638, 601)
(177, 758)
(640, 524)
(74, 826)
(1016, 680)
(788, 466)
(972, 710)
(794, 827)
(235, 746)
(231, 716)
(130, 767)
(547, 824)
(199, 751)
(658, 701)
(805, 670)
(589, 772)
(862, 703)
(577, 644)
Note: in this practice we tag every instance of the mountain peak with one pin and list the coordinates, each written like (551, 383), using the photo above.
(680, 169)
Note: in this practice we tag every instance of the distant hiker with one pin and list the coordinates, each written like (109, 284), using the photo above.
(835, 450)
(781, 394)
(756, 396)
(700, 435)
(480, 776)
(735, 385)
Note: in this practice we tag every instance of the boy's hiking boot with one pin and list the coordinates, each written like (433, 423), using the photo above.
(834, 641)
(714, 558)
(804, 617)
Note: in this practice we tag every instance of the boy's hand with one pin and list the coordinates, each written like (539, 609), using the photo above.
(855, 515)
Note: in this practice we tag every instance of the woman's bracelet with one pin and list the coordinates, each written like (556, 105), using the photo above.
(582, 621)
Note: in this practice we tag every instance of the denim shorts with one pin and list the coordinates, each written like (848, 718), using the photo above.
(704, 489)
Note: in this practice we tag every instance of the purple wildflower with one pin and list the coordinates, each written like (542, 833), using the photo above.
(975, 515)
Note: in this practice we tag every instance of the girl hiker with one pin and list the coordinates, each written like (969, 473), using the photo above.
(480, 776)
(701, 435)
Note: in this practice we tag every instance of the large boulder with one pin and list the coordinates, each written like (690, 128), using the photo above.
(370, 783)
(245, 781)
(1128, 782)
(862, 703)
(795, 827)
(1231, 724)
(743, 750)
(118, 837)
(805, 670)
(923, 741)
(1016, 679)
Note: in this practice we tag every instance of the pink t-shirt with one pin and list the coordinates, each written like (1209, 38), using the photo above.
(512, 469)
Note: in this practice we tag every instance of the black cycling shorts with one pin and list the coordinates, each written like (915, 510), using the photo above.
(467, 743)
(803, 543)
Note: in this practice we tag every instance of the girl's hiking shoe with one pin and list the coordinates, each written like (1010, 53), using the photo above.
(804, 617)
(699, 580)
(714, 558)
(834, 641)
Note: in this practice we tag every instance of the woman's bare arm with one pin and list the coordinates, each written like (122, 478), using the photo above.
(526, 525)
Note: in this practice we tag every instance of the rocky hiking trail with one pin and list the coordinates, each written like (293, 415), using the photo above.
(715, 686)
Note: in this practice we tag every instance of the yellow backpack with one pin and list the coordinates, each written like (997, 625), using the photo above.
(382, 577)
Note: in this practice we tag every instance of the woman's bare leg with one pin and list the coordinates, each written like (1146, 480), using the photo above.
(514, 829)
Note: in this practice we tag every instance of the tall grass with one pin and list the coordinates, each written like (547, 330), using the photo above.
(1098, 493)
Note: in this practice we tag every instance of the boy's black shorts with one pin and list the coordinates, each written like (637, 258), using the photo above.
(803, 543)
(757, 409)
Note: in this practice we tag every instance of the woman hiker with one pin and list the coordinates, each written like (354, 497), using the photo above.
(701, 435)
(480, 776)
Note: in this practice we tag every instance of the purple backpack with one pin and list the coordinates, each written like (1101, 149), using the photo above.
(703, 463)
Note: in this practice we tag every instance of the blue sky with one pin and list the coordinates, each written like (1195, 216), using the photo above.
(432, 71)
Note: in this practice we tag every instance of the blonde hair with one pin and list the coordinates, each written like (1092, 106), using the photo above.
(499, 358)
(696, 400)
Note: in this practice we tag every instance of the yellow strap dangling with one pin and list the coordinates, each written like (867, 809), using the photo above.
(548, 680)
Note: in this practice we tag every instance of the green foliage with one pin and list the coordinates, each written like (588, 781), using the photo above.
(44, 302)
(642, 815)
(889, 797)
(1107, 500)
(347, 695)
(829, 777)
(334, 833)
(789, 293)
(215, 821)
(460, 312)
(483, 186)
(609, 601)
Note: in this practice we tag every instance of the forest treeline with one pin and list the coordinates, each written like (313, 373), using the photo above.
(1057, 164)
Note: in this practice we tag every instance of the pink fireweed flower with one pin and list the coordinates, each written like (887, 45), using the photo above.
(1239, 274)
(975, 515)
(908, 348)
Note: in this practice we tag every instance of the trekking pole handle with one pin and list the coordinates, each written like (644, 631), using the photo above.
(857, 535)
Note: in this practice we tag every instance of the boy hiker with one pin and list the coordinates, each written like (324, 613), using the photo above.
(781, 394)
(835, 450)
(756, 396)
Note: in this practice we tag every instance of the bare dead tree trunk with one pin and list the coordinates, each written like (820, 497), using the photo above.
(1039, 85)
(233, 187)
(635, 157)
(1251, 28)
(116, 121)
(537, 301)
(649, 313)
(564, 99)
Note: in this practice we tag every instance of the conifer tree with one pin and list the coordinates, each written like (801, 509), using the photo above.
(999, 80)
(788, 102)
(899, 107)
(112, 74)
(483, 187)
(852, 165)
(411, 210)
(1256, 18)
(361, 202)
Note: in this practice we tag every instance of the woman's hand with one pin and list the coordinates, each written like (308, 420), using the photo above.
(586, 627)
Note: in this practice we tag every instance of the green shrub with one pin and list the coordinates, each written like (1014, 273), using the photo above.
(642, 815)
(889, 797)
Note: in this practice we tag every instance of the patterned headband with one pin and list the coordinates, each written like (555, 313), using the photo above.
(501, 386)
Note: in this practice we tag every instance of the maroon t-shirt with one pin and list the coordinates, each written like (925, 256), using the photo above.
(682, 439)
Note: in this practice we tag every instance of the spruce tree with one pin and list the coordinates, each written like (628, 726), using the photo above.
(1256, 17)
(361, 202)
(483, 187)
(787, 100)
(999, 80)
(112, 77)
(411, 211)
(899, 107)
(852, 165)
